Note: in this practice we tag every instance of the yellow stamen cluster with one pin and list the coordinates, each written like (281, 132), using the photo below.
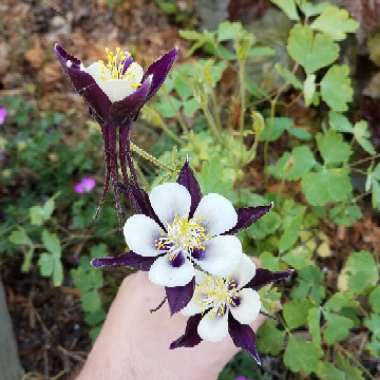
(216, 293)
(186, 234)
(114, 67)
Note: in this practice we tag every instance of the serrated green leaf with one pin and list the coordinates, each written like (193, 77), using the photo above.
(374, 299)
(301, 355)
(265, 226)
(362, 271)
(292, 226)
(51, 243)
(344, 215)
(340, 122)
(275, 127)
(292, 166)
(288, 76)
(268, 261)
(336, 88)
(270, 339)
(309, 9)
(362, 136)
(335, 22)
(327, 371)
(295, 313)
(20, 237)
(337, 328)
(333, 148)
(339, 301)
(298, 257)
(328, 185)
(310, 284)
(314, 323)
(300, 133)
(288, 7)
(311, 50)
(228, 30)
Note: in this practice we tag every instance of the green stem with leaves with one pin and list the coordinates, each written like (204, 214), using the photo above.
(242, 97)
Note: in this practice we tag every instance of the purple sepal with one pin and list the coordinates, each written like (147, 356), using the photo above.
(129, 259)
(179, 296)
(264, 277)
(243, 337)
(127, 62)
(84, 84)
(248, 216)
(190, 338)
(187, 178)
(127, 108)
(160, 70)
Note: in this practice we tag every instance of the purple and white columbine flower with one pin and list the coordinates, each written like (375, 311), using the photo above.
(179, 229)
(227, 305)
(115, 92)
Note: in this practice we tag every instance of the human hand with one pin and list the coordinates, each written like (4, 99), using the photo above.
(134, 343)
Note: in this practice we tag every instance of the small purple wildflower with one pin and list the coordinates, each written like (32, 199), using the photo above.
(3, 115)
(85, 185)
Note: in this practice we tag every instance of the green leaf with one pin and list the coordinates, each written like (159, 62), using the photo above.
(57, 272)
(311, 50)
(270, 339)
(275, 128)
(362, 136)
(27, 263)
(344, 215)
(374, 299)
(332, 147)
(268, 261)
(327, 371)
(292, 226)
(51, 243)
(373, 323)
(228, 30)
(340, 122)
(20, 237)
(314, 323)
(310, 9)
(36, 215)
(328, 185)
(292, 166)
(46, 264)
(336, 88)
(309, 88)
(91, 301)
(300, 133)
(301, 355)
(288, 76)
(335, 22)
(298, 257)
(288, 7)
(311, 284)
(339, 301)
(362, 271)
(374, 346)
(295, 313)
(99, 250)
(376, 194)
(265, 226)
(337, 328)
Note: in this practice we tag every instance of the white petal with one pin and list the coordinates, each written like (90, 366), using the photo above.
(135, 72)
(222, 256)
(244, 272)
(191, 308)
(141, 233)
(170, 200)
(164, 274)
(116, 89)
(213, 329)
(216, 213)
(249, 306)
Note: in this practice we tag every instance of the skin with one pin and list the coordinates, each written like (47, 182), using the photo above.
(134, 343)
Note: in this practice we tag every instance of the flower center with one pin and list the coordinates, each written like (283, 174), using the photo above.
(217, 294)
(114, 68)
(183, 235)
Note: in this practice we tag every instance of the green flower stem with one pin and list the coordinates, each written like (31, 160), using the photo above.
(210, 120)
(185, 128)
(165, 128)
(242, 97)
(144, 154)
(216, 110)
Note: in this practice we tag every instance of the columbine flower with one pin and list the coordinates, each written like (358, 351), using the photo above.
(3, 115)
(227, 305)
(179, 229)
(85, 185)
(115, 92)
